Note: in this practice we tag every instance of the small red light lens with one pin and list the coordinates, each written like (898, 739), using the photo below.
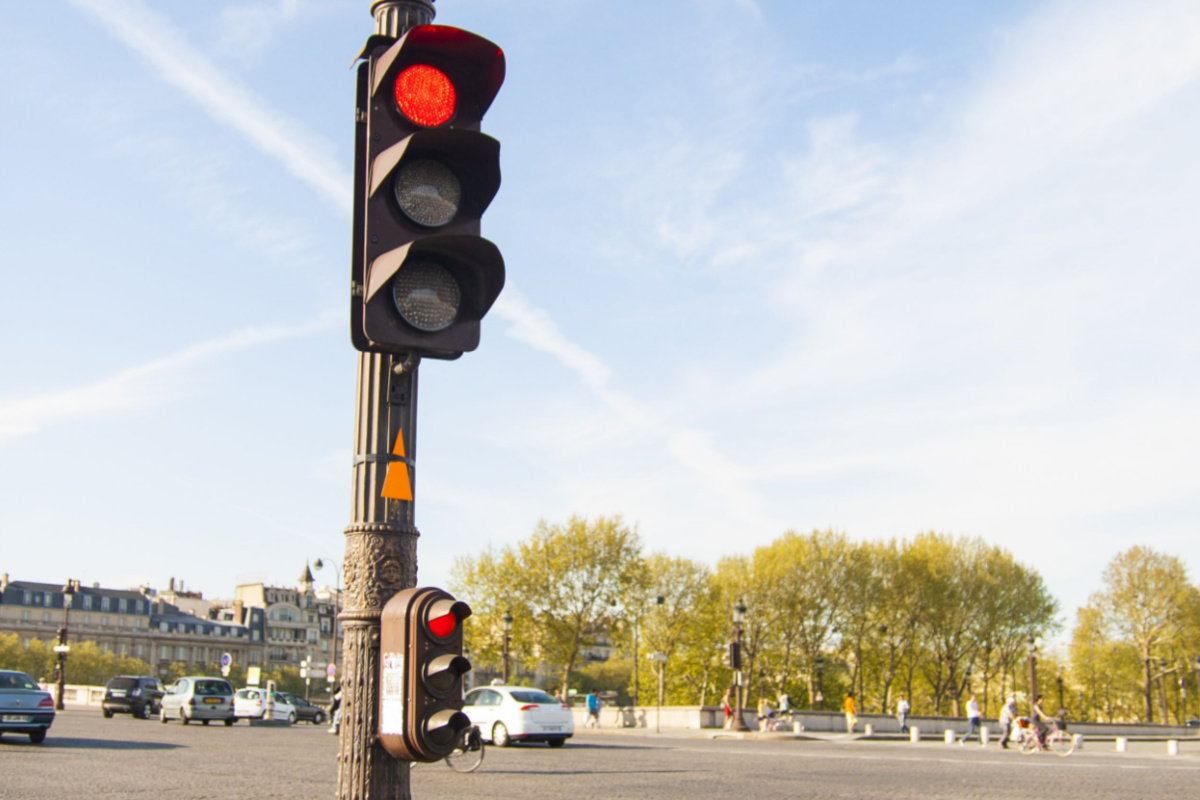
(443, 626)
(425, 95)
(528, 708)
(46, 702)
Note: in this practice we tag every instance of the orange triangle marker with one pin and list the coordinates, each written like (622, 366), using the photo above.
(396, 485)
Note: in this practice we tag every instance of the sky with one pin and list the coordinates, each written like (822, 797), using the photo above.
(878, 267)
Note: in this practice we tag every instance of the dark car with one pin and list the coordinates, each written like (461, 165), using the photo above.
(24, 707)
(305, 711)
(139, 696)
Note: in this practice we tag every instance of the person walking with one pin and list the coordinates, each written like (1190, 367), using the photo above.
(902, 709)
(593, 707)
(335, 712)
(727, 710)
(851, 715)
(1008, 718)
(974, 719)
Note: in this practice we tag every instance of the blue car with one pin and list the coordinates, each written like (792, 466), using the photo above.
(24, 708)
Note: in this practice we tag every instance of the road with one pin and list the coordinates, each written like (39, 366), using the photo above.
(89, 757)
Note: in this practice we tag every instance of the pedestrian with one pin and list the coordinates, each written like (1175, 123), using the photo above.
(335, 712)
(766, 715)
(785, 703)
(851, 715)
(974, 719)
(593, 707)
(902, 709)
(1008, 719)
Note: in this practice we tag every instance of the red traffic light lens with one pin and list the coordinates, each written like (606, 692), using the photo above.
(443, 626)
(425, 95)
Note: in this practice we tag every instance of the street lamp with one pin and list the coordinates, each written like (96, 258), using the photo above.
(337, 608)
(507, 620)
(1059, 681)
(739, 616)
(819, 697)
(637, 623)
(62, 648)
(1032, 674)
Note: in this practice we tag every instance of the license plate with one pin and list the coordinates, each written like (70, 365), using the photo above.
(117, 693)
(554, 728)
(16, 718)
(213, 700)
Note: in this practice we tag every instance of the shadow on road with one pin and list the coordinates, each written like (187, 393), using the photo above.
(101, 744)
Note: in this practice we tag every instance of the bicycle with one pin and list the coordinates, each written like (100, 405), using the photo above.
(1057, 740)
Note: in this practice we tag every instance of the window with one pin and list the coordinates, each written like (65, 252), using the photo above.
(254, 635)
(137, 606)
(45, 616)
(164, 627)
(141, 651)
(137, 623)
(26, 597)
(255, 657)
(181, 653)
(87, 602)
(25, 616)
(104, 604)
(87, 619)
(164, 652)
(48, 599)
(123, 649)
(324, 645)
(121, 605)
(104, 621)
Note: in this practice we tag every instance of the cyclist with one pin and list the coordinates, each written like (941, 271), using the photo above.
(1040, 718)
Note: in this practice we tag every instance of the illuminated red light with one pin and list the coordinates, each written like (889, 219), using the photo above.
(443, 626)
(425, 95)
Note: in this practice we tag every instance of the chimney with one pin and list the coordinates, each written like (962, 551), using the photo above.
(3, 582)
(171, 585)
(238, 610)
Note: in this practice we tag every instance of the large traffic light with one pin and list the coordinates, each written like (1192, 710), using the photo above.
(423, 277)
(421, 669)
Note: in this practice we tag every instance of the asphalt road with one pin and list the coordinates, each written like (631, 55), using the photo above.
(89, 757)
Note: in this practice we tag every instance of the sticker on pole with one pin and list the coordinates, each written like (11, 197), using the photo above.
(396, 485)
(331, 672)
(391, 694)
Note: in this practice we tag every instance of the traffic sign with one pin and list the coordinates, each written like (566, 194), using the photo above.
(226, 660)
(331, 672)
(252, 676)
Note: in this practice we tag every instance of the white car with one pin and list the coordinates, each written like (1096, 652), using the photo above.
(507, 714)
(252, 703)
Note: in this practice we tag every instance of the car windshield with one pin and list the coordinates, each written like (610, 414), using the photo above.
(123, 683)
(16, 680)
(533, 696)
(213, 687)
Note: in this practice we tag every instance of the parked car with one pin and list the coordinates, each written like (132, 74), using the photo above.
(24, 707)
(140, 697)
(252, 703)
(507, 714)
(305, 711)
(198, 697)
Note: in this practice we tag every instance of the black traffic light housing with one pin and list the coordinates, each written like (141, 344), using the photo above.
(423, 277)
(421, 669)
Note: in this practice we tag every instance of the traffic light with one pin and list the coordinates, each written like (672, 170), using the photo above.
(735, 655)
(423, 277)
(421, 669)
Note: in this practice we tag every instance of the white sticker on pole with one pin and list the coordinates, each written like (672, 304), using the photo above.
(391, 693)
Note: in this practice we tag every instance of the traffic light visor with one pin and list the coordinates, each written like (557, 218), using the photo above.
(426, 95)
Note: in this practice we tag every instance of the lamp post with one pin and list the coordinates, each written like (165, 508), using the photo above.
(1196, 663)
(62, 648)
(1032, 675)
(1059, 681)
(739, 616)
(337, 607)
(819, 697)
(507, 621)
(637, 624)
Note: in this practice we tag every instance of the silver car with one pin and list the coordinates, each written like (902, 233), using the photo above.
(198, 697)
(24, 707)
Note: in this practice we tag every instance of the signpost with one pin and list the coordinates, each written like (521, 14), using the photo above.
(226, 663)
(252, 676)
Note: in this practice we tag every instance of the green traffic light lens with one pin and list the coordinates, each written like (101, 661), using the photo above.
(428, 192)
(426, 295)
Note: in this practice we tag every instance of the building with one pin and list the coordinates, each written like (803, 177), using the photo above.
(301, 622)
(128, 622)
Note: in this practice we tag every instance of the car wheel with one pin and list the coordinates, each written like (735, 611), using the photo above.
(229, 722)
(107, 714)
(162, 715)
(204, 722)
(556, 742)
(183, 717)
(500, 735)
(38, 736)
(291, 720)
(319, 719)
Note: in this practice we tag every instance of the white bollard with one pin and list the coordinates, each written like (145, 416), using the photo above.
(868, 729)
(949, 736)
(914, 734)
(1172, 747)
(797, 727)
(1078, 740)
(985, 735)
(1122, 744)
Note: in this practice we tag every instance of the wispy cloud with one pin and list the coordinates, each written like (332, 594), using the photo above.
(140, 386)
(179, 63)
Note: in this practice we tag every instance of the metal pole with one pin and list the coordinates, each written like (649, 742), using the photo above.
(1033, 690)
(381, 540)
(662, 668)
(61, 666)
(505, 670)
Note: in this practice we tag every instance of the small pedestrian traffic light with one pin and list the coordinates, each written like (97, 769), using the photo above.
(423, 277)
(421, 671)
(735, 655)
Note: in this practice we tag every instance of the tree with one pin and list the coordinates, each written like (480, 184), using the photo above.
(1145, 597)
(566, 583)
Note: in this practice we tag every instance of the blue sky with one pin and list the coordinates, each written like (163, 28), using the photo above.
(881, 267)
